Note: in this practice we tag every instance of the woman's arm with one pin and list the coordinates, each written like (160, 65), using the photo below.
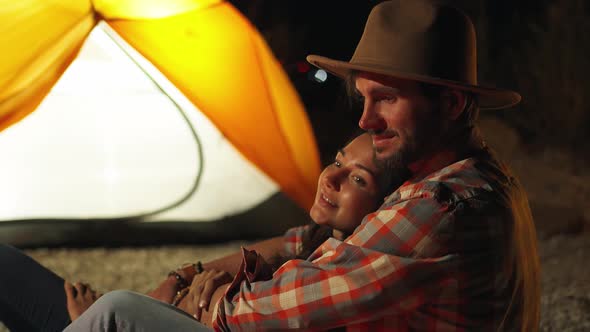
(208, 316)
(167, 289)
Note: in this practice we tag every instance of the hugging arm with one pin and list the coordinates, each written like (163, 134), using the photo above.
(349, 282)
(416, 263)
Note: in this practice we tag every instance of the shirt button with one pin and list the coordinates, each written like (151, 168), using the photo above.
(460, 207)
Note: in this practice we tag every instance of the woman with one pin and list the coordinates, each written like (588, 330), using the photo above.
(33, 298)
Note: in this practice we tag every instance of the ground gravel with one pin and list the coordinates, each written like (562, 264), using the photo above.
(565, 284)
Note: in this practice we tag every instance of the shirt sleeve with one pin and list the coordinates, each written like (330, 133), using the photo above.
(358, 280)
(293, 239)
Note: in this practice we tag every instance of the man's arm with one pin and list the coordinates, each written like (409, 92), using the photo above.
(287, 245)
(231, 263)
(349, 282)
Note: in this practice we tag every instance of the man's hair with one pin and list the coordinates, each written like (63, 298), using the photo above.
(350, 86)
(470, 114)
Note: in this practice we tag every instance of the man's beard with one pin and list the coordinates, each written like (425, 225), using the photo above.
(415, 148)
(398, 160)
(394, 168)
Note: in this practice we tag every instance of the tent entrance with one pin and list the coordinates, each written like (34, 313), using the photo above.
(115, 144)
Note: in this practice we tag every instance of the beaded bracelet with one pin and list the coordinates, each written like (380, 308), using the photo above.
(199, 267)
(180, 281)
(179, 296)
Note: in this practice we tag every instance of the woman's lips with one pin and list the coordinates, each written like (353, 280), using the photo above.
(323, 200)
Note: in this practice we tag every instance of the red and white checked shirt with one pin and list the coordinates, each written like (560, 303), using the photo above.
(429, 259)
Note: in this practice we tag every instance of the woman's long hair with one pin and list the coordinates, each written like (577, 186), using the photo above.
(520, 267)
(523, 262)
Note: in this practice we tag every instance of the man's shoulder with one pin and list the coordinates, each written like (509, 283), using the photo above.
(461, 180)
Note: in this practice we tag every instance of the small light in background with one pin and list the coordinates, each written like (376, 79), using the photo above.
(320, 76)
(303, 67)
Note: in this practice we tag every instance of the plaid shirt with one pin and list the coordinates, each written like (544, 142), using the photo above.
(429, 259)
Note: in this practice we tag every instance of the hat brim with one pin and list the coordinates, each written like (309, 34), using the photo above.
(489, 98)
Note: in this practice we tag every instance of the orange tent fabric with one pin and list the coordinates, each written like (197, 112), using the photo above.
(206, 48)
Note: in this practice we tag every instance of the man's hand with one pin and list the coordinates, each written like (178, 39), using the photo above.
(201, 291)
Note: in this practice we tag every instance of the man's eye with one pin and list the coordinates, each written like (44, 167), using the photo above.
(358, 96)
(388, 99)
(358, 100)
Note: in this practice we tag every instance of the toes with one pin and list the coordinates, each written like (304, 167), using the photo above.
(70, 290)
(80, 287)
(90, 294)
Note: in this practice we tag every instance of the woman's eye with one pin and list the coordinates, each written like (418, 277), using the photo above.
(359, 180)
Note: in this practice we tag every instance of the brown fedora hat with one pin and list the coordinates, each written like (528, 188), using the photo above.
(423, 41)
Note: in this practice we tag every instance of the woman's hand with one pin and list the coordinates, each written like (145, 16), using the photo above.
(201, 290)
(166, 291)
(79, 297)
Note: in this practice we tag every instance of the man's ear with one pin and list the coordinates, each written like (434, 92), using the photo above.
(453, 102)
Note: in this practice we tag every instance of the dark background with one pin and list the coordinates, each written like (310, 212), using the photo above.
(540, 48)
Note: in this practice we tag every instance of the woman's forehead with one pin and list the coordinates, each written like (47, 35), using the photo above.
(360, 149)
(360, 142)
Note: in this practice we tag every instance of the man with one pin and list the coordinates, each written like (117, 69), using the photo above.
(453, 248)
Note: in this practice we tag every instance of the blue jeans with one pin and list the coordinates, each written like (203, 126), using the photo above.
(32, 298)
(132, 312)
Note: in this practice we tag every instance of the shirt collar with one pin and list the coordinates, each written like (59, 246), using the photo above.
(433, 162)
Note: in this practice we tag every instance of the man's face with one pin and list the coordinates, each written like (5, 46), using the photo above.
(402, 122)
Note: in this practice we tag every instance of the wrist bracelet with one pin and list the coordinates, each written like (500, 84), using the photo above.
(199, 267)
(180, 281)
(179, 296)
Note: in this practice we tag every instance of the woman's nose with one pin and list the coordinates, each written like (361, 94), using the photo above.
(332, 180)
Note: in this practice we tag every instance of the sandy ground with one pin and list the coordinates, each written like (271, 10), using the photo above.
(566, 272)
(138, 269)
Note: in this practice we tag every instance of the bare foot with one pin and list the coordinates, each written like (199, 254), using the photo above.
(79, 298)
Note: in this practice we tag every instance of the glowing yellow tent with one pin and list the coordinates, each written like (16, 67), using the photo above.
(205, 48)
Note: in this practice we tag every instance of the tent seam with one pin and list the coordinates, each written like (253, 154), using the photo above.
(272, 101)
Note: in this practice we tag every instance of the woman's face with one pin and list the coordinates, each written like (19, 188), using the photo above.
(347, 188)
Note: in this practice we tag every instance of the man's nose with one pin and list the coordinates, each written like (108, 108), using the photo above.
(371, 120)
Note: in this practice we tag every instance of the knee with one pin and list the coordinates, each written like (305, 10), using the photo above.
(110, 312)
(111, 307)
(11, 259)
(6, 250)
(118, 301)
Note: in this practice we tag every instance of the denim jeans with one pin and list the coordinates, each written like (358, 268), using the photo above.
(132, 312)
(32, 298)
